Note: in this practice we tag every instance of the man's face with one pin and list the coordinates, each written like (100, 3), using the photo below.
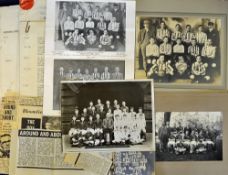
(178, 41)
(117, 69)
(146, 25)
(200, 29)
(76, 111)
(93, 108)
(162, 25)
(209, 42)
(124, 103)
(165, 40)
(106, 69)
(84, 110)
(152, 41)
(132, 110)
(188, 28)
(162, 58)
(80, 18)
(91, 103)
(90, 118)
(68, 18)
(140, 110)
(48, 126)
(108, 103)
(82, 119)
(86, 71)
(95, 70)
(79, 71)
(99, 101)
(115, 102)
(98, 116)
(193, 42)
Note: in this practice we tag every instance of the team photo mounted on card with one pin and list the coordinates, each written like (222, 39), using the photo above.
(189, 136)
(107, 115)
(181, 50)
(91, 27)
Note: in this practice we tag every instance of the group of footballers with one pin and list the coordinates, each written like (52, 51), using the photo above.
(95, 75)
(187, 140)
(184, 53)
(91, 26)
(107, 124)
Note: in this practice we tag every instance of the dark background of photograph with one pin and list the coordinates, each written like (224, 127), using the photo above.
(136, 94)
(82, 64)
(8, 2)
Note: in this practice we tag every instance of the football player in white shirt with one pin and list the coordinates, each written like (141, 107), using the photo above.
(106, 75)
(78, 75)
(107, 15)
(179, 47)
(201, 37)
(162, 32)
(68, 27)
(152, 49)
(142, 124)
(76, 12)
(79, 24)
(209, 50)
(177, 33)
(106, 42)
(114, 28)
(90, 23)
(199, 71)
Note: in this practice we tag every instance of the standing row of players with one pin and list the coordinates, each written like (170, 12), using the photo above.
(92, 27)
(105, 124)
(95, 75)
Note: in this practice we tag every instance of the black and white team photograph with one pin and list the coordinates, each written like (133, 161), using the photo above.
(102, 116)
(180, 50)
(90, 26)
(85, 70)
(189, 136)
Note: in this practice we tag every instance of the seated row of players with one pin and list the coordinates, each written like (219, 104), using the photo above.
(153, 50)
(165, 71)
(106, 124)
(188, 140)
(106, 75)
(77, 41)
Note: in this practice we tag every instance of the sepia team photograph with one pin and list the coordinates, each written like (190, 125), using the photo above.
(102, 116)
(90, 26)
(180, 50)
(189, 136)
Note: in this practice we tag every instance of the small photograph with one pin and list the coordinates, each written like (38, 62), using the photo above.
(84, 70)
(189, 136)
(5, 145)
(181, 50)
(100, 116)
(51, 123)
(90, 26)
(140, 163)
(30, 123)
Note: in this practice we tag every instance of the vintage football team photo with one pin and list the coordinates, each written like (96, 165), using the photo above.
(90, 26)
(179, 50)
(189, 136)
(105, 115)
(84, 70)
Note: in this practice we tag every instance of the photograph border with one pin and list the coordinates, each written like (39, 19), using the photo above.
(153, 144)
(223, 41)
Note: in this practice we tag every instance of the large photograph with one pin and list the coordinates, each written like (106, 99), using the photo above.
(84, 70)
(90, 26)
(181, 50)
(100, 116)
(189, 136)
